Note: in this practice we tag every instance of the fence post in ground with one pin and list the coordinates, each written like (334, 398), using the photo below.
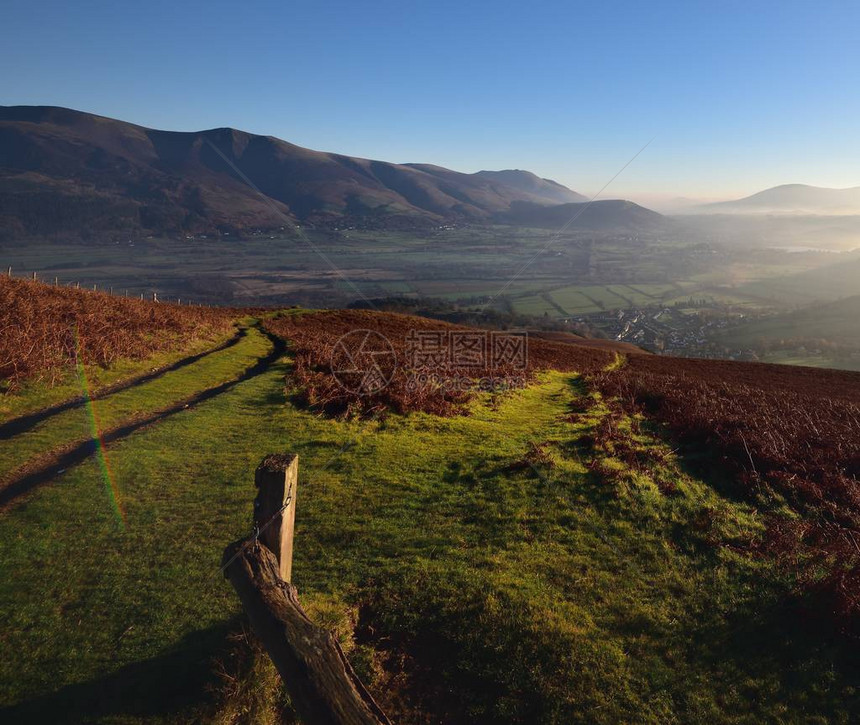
(323, 687)
(34, 276)
(277, 479)
(9, 271)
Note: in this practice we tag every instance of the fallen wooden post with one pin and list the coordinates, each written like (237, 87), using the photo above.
(323, 687)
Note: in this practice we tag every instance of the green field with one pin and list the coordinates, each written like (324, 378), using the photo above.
(536, 578)
(330, 268)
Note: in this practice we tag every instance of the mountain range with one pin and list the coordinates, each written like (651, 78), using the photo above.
(66, 173)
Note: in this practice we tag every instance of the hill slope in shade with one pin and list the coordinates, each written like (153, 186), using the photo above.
(67, 172)
(792, 199)
(613, 214)
(832, 321)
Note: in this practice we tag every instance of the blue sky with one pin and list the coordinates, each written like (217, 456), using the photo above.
(737, 96)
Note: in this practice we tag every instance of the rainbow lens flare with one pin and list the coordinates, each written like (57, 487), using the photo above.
(98, 439)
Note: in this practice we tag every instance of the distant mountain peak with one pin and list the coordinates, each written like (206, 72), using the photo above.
(792, 199)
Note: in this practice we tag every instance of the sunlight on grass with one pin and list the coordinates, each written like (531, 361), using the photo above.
(506, 565)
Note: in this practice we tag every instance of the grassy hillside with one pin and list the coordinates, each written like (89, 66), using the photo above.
(835, 323)
(545, 555)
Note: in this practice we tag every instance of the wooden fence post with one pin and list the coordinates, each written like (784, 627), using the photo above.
(277, 479)
(323, 687)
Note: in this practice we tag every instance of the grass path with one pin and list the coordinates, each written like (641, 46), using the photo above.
(36, 396)
(30, 418)
(67, 437)
(539, 577)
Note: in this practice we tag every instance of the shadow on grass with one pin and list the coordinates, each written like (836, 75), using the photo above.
(169, 684)
(818, 669)
(55, 464)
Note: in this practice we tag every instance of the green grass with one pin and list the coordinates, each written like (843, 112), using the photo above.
(788, 357)
(34, 396)
(113, 410)
(586, 299)
(570, 591)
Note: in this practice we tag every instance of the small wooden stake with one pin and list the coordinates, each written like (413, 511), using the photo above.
(276, 479)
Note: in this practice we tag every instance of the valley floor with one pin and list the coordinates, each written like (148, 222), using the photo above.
(518, 564)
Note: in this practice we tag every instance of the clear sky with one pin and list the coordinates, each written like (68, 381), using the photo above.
(737, 96)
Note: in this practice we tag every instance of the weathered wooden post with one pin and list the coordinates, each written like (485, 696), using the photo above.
(323, 687)
(276, 479)
(9, 271)
(34, 276)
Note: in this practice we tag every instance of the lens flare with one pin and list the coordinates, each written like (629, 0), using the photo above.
(95, 430)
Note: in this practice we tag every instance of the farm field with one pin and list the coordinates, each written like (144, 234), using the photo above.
(833, 321)
(451, 263)
(580, 300)
(815, 361)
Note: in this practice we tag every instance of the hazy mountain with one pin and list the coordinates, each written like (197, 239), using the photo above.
(791, 199)
(64, 171)
(530, 183)
(598, 215)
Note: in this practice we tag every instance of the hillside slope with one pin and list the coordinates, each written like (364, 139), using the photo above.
(625, 538)
(532, 184)
(608, 214)
(832, 322)
(792, 199)
(67, 172)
